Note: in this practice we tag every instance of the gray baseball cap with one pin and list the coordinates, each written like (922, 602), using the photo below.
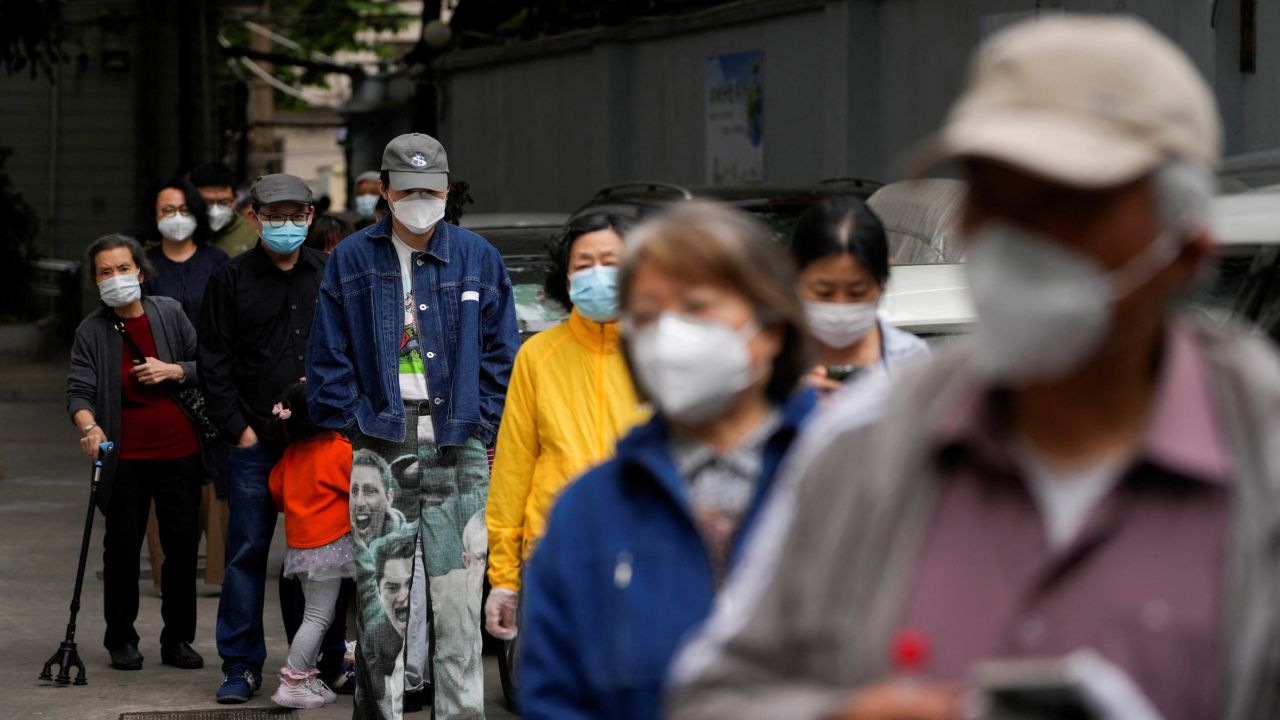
(416, 161)
(368, 176)
(279, 187)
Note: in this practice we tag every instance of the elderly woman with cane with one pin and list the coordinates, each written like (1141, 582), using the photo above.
(129, 358)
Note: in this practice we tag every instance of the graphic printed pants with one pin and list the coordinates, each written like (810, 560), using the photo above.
(437, 494)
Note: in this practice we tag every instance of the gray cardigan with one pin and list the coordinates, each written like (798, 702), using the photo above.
(93, 381)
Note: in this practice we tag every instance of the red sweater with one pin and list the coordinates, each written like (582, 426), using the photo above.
(311, 484)
(152, 426)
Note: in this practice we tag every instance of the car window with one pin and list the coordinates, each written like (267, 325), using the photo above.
(780, 219)
(534, 313)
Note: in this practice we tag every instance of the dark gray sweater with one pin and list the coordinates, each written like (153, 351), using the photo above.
(93, 381)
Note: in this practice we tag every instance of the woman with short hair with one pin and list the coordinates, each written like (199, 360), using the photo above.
(636, 549)
(130, 357)
(570, 399)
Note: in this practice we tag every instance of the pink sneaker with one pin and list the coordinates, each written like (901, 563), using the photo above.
(295, 691)
(317, 686)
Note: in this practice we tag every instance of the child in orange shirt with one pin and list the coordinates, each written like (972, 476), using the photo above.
(311, 484)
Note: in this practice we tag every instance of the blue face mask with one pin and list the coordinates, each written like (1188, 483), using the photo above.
(284, 239)
(367, 205)
(594, 292)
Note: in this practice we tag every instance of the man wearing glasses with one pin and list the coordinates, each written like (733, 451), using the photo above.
(253, 337)
(233, 233)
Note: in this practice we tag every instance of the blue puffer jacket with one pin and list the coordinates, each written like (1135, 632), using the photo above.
(621, 577)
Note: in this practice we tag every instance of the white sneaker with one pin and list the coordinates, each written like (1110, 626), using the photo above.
(295, 691)
(317, 686)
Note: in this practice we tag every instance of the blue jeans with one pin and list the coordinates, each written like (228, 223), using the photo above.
(249, 530)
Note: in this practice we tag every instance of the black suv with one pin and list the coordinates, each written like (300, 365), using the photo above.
(778, 206)
(525, 241)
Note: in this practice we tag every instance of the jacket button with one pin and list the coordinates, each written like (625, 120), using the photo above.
(293, 307)
(422, 307)
(622, 571)
(419, 262)
(438, 401)
(430, 355)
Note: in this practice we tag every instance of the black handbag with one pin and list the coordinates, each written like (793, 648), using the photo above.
(191, 400)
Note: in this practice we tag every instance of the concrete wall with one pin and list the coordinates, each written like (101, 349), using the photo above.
(85, 148)
(849, 87)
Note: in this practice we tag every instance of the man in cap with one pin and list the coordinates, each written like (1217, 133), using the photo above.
(254, 326)
(364, 199)
(1095, 480)
(412, 350)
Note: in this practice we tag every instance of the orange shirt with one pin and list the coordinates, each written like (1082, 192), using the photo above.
(311, 484)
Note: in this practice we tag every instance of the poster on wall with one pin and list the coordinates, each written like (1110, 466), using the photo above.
(735, 118)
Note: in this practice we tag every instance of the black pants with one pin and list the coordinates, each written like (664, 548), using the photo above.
(175, 487)
(334, 644)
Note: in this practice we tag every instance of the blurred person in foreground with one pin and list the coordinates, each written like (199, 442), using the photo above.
(1096, 479)
(233, 231)
(842, 254)
(636, 549)
(571, 398)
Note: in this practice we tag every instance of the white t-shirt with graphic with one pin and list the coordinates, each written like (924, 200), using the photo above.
(412, 368)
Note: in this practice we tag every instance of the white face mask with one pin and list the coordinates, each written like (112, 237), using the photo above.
(176, 228)
(120, 290)
(367, 205)
(418, 212)
(692, 369)
(1043, 310)
(840, 325)
(219, 216)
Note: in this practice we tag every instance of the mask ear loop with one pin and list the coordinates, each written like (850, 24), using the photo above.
(1160, 254)
(746, 334)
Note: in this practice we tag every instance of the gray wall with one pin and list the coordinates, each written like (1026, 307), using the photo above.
(85, 148)
(849, 87)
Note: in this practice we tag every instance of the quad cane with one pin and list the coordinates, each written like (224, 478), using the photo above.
(67, 657)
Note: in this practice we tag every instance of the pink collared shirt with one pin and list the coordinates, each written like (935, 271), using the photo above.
(1143, 582)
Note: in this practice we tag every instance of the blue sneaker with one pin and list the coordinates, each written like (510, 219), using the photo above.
(238, 686)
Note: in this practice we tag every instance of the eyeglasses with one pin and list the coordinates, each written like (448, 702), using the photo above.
(275, 221)
(169, 211)
(225, 202)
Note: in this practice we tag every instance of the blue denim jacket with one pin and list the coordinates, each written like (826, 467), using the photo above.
(467, 333)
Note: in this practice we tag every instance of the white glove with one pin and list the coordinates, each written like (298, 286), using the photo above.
(500, 613)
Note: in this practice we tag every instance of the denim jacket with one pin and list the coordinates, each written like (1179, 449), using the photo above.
(466, 325)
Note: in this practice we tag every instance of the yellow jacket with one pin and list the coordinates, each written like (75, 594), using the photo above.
(569, 401)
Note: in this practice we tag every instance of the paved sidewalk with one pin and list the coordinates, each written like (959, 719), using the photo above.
(44, 485)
